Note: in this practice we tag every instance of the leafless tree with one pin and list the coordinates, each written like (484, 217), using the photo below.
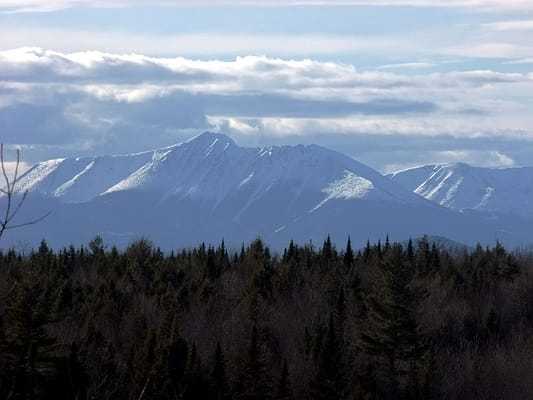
(8, 193)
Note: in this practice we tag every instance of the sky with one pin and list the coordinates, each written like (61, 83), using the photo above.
(391, 83)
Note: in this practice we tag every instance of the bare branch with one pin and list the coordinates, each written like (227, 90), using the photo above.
(6, 178)
(32, 222)
(16, 168)
(24, 195)
(9, 192)
(145, 386)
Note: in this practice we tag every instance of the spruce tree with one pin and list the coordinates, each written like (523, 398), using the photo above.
(194, 386)
(255, 382)
(219, 383)
(284, 391)
(30, 352)
(392, 335)
(348, 258)
(328, 380)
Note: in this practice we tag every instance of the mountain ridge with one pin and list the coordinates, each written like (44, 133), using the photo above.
(188, 168)
(208, 188)
(462, 187)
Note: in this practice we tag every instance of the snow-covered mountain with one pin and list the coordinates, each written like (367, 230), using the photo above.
(462, 187)
(211, 167)
(209, 188)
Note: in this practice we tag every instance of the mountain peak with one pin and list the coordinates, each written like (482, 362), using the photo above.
(463, 187)
(210, 137)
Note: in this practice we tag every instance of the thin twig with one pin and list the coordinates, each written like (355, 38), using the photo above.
(9, 192)
(144, 388)
(35, 221)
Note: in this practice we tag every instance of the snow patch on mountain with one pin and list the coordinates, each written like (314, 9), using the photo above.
(78, 180)
(463, 187)
(37, 177)
(350, 186)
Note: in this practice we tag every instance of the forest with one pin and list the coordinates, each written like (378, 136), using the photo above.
(410, 320)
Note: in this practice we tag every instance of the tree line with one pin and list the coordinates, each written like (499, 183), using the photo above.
(390, 321)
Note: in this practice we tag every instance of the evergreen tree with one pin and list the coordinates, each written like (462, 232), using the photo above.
(30, 353)
(392, 335)
(194, 386)
(328, 253)
(423, 256)
(218, 376)
(340, 316)
(172, 358)
(348, 259)
(255, 379)
(410, 251)
(434, 258)
(328, 381)
(284, 391)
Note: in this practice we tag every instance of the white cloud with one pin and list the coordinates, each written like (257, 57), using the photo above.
(492, 159)
(479, 158)
(108, 103)
(51, 5)
(409, 65)
(521, 61)
(117, 41)
(379, 126)
(511, 25)
(493, 49)
(427, 45)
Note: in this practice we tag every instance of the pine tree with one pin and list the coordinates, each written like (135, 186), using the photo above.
(422, 256)
(194, 386)
(328, 380)
(434, 258)
(255, 379)
(284, 391)
(172, 354)
(348, 259)
(30, 353)
(340, 316)
(410, 251)
(218, 376)
(328, 254)
(392, 335)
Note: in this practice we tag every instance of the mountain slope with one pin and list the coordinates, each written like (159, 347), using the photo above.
(462, 187)
(210, 167)
(209, 188)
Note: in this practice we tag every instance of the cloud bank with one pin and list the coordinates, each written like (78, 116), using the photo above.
(55, 103)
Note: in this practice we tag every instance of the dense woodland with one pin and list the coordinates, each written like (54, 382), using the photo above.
(315, 322)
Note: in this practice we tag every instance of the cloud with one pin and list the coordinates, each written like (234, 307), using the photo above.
(521, 61)
(511, 25)
(60, 104)
(115, 40)
(492, 159)
(488, 159)
(409, 65)
(52, 5)
(494, 49)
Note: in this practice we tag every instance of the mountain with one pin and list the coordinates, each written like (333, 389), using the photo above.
(211, 167)
(209, 188)
(464, 188)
